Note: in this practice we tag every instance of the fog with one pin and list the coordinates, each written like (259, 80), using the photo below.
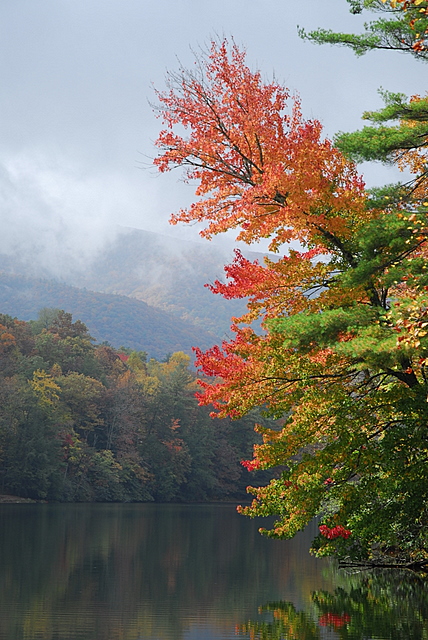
(76, 125)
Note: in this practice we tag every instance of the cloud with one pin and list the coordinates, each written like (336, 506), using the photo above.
(75, 119)
(52, 215)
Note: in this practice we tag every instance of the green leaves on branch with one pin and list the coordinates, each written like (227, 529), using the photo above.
(405, 30)
(384, 143)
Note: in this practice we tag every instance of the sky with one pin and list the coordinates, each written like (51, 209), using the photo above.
(76, 125)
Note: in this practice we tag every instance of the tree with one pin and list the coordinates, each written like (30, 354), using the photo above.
(62, 325)
(66, 342)
(45, 318)
(29, 444)
(258, 168)
(405, 29)
(405, 141)
(341, 358)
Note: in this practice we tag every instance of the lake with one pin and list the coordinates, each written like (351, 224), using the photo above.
(191, 572)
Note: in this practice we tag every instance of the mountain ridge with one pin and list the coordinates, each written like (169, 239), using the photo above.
(166, 274)
(118, 320)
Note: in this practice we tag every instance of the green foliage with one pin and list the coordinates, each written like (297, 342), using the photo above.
(403, 30)
(29, 446)
(380, 142)
(80, 422)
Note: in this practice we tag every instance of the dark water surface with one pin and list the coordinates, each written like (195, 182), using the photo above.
(191, 572)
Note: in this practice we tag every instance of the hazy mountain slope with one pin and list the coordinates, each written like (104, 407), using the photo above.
(117, 319)
(166, 273)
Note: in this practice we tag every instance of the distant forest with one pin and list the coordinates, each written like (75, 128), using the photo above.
(142, 289)
(86, 422)
(116, 319)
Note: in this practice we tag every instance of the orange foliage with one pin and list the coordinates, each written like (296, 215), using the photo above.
(258, 168)
(7, 339)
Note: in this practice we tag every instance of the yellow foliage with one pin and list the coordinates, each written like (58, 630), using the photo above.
(45, 388)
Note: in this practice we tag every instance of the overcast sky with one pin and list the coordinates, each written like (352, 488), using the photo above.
(75, 119)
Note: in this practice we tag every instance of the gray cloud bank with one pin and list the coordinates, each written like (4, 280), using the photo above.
(76, 126)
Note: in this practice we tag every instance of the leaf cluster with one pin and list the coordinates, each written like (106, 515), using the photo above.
(404, 30)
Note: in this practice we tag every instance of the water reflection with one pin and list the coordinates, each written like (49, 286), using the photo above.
(141, 571)
(178, 572)
(380, 605)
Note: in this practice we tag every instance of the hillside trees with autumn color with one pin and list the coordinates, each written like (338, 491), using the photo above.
(341, 357)
(86, 422)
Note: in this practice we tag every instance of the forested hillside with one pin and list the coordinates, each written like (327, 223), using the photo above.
(119, 320)
(167, 273)
(80, 422)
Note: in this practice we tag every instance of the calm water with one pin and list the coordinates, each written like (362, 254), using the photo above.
(172, 572)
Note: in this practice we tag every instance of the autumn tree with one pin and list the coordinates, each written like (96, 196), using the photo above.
(341, 358)
(260, 169)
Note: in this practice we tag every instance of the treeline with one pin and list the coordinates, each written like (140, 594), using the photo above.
(86, 422)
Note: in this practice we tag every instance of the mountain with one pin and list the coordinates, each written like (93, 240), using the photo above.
(119, 320)
(167, 273)
(142, 290)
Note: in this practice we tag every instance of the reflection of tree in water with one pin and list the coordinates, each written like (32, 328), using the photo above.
(384, 604)
(286, 622)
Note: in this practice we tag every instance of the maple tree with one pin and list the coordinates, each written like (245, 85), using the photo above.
(340, 360)
(267, 172)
